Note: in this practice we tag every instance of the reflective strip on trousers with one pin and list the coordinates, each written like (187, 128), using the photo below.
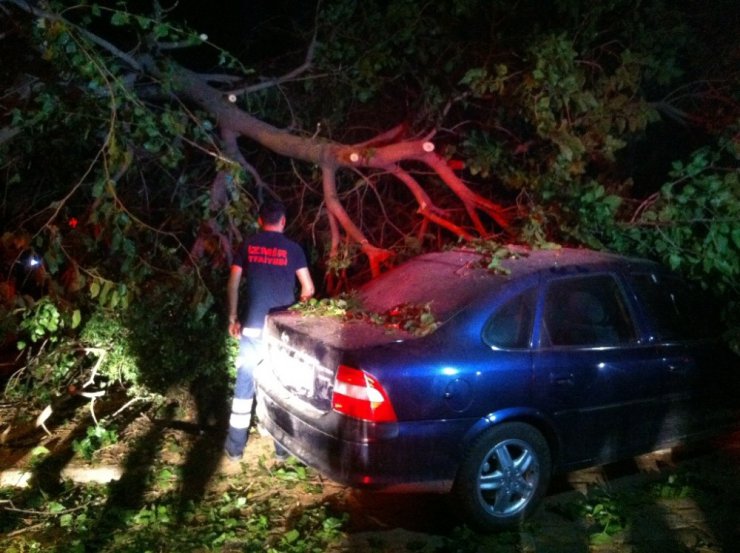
(241, 413)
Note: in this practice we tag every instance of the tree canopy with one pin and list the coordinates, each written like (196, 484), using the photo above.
(137, 138)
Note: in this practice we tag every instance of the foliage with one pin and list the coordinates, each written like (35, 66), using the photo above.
(104, 253)
(493, 253)
(97, 437)
(287, 507)
(163, 341)
(676, 486)
(693, 223)
(415, 319)
(177, 336)
(340, 306)
(605, 514)
(51, 358)
(258, 512)
(614, 515)
(44, 321)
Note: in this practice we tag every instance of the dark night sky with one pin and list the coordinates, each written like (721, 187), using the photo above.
(251, 30)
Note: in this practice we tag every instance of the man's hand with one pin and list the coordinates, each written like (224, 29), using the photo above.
(307, 288)
(235, 329)
(232, 298)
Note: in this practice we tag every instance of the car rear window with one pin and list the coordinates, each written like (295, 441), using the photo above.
(446, 282)
(677, 311)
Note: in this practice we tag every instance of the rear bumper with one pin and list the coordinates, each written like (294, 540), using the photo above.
(419, 456)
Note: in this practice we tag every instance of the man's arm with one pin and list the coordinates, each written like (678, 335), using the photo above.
(307, 289)
(232, 299)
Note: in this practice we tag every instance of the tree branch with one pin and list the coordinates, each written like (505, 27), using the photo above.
(289, 76)
(426, 207)
(331, 156)
(31, 8)
(374, 254)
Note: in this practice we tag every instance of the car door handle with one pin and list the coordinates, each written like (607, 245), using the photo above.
(680, 366)
(563, 380)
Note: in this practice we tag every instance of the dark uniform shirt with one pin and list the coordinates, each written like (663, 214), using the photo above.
(269, 262)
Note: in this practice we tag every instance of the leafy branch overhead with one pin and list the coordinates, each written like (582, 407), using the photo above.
(537, 123)
(127, 82)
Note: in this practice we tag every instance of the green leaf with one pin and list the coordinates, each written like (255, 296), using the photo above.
(119, 19)
(144, 22)
(66, 520)
(161, 31)
(76, 318)
(601, 538)
(291, 536)
(39, 451)
(55, 507)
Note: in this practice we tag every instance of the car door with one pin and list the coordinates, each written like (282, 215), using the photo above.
(594, 378)
(700, 375)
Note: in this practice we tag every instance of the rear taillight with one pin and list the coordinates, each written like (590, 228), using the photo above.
(357, 394)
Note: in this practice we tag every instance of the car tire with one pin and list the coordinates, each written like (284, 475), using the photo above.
(503, 476)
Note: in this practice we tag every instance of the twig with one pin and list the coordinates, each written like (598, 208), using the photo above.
(128, 403)
(101, 353)
(26, 529)
(644, 206)
(276, 81)
(43, 417)
(14, 509)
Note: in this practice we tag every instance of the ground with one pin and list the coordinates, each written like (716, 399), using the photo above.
(684, 500)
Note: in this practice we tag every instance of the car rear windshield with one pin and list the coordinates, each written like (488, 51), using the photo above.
(446, 281)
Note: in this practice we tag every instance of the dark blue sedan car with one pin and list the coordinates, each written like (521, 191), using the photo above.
(563, 359)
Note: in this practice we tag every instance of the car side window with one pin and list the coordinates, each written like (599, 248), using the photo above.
(677, 311)
(587, 311)
(510, 327)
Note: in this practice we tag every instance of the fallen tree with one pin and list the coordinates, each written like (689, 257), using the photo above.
(153, 74)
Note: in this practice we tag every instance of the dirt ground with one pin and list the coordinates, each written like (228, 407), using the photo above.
(684, 500)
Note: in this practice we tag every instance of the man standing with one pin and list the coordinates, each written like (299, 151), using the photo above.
(271, 262)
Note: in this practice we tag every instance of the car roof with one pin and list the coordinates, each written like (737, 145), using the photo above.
(455, 277)
(522, 260)
(525, 260)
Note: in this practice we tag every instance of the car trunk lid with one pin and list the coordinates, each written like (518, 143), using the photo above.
(303, 353)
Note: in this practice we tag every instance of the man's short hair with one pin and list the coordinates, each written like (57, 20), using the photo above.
(271, 212)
